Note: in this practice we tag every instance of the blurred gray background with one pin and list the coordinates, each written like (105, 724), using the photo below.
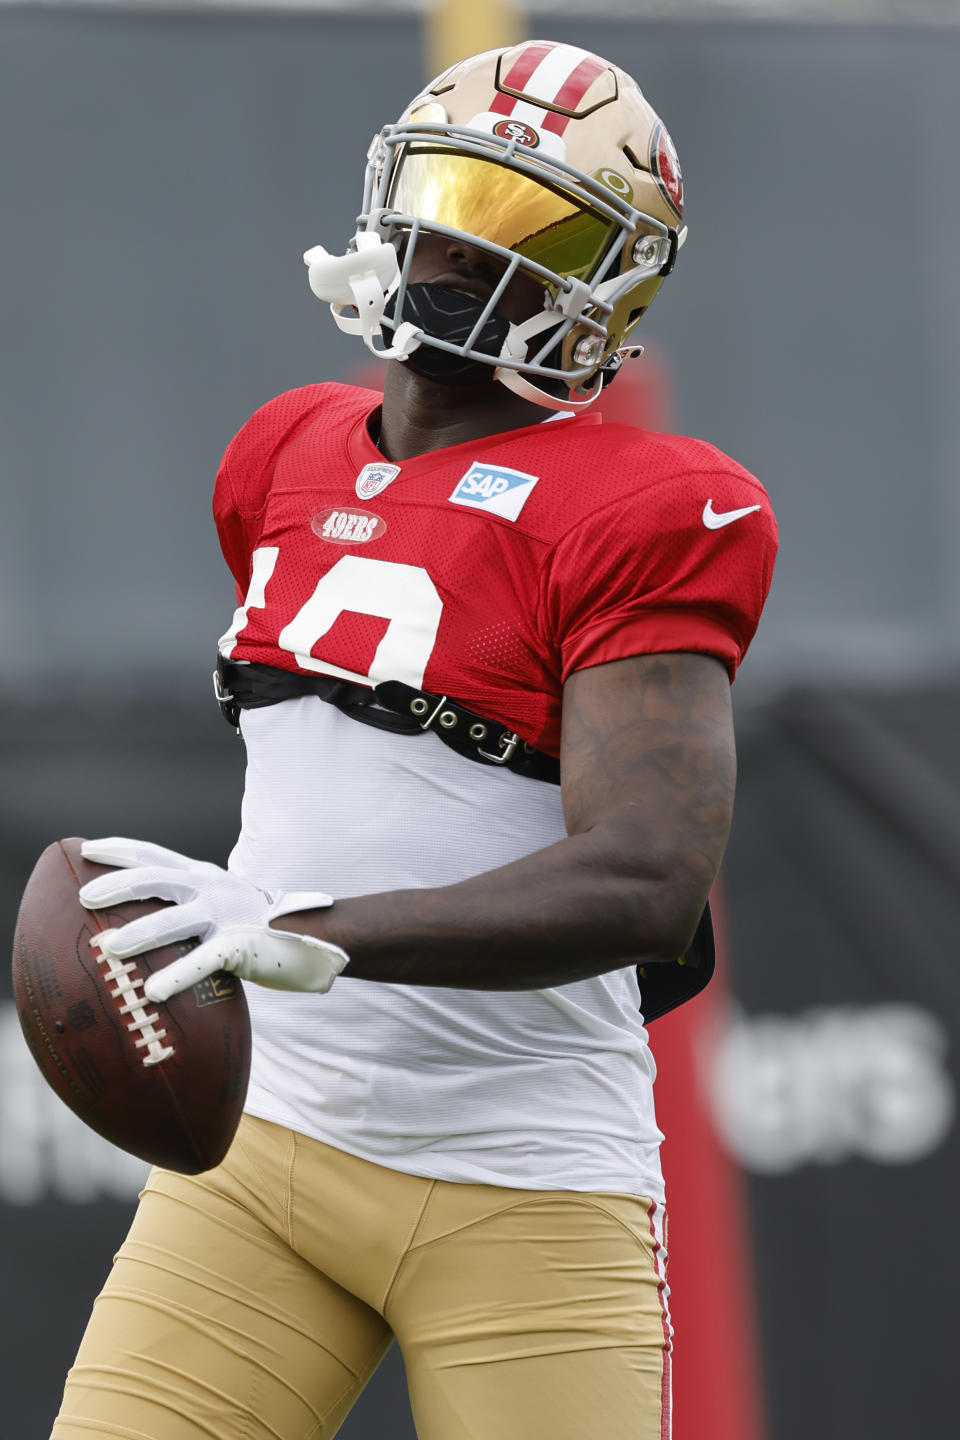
(161, 171)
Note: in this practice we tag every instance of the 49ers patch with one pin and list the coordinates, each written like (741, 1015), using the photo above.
(495, 489)
(348, 527)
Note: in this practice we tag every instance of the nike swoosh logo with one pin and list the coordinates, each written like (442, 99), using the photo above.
(715, 520)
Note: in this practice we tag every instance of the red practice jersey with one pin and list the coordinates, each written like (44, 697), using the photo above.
(488, 571)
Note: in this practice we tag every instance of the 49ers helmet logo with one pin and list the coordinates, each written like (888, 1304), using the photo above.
(517, 130)
(666, 166)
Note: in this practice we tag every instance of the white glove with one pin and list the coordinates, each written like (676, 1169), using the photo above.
(231, 916)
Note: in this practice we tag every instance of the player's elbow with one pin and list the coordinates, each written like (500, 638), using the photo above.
(663, 878)
(682, 923)
(662, 913)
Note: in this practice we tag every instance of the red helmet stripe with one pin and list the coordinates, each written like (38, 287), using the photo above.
(526, 62)
(573, 89)
(519, 73)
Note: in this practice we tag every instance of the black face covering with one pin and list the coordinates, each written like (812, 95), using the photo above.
(450, 315)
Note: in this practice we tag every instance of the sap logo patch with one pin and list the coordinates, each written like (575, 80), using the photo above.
(495, 489)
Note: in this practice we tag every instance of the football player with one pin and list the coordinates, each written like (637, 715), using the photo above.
(481, 663)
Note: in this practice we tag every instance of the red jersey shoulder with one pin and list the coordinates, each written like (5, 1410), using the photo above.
(689, 481)
(582, 470)
(246, 471)
(679, 557)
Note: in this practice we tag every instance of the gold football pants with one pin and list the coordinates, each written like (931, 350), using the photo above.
(255, 1301)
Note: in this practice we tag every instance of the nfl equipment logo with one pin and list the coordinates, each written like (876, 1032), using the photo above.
(374, 478)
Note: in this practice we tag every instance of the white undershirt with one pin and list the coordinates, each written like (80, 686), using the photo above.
(537, 1089)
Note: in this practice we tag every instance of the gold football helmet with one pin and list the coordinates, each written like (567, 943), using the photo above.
(550, 161)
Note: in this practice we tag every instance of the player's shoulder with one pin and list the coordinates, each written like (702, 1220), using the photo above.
(687, 485)
(630, 457)
(689, 473)
(671, 454)
(247, 465)
(652, 475)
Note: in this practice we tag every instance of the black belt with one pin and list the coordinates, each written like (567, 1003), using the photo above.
(246, 685)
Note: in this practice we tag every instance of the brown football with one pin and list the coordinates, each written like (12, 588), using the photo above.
(166, 1082)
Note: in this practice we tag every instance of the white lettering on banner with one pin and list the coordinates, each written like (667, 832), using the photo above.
(348, 527)
(832, 1085)
(45, 1151)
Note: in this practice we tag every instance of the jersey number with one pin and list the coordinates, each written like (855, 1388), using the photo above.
(402, 594)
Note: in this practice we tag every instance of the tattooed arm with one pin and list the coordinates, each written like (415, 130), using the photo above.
(648, 778)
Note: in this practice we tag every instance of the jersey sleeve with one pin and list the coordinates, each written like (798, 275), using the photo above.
(246, 473)
(668, 567)
(232, 530)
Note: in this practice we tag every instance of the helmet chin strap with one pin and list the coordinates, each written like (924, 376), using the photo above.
(515, 347)
(520, 385)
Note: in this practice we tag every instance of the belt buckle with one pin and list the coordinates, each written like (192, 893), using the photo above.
(509, 739)
(223, 697)
(229, 708)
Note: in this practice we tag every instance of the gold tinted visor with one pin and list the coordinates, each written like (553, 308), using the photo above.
(497, 203)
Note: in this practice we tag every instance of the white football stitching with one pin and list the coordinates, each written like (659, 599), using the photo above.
(128, 986)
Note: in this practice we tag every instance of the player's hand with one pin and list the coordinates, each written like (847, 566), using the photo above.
(230, 915)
